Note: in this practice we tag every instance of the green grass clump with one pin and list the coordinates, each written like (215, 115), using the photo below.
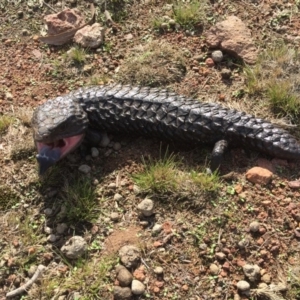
(206, 182)
(163, 175)
(276, 77)
(188, 14)
(88, 277)
(78, 55)
(80, 199)
(5, 122)
(159, 176)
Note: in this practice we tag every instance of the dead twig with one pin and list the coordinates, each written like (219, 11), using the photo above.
(39, 271)
(50, 7)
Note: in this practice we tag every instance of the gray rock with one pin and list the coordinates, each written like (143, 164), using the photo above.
(61, 228)
(225, 73)
(217, 56)
(75, 247)
(124, 276)
(117, 146)
(136, 189)
(122, 293)
(104, 141)
(118, 197)
(158, 270)
(156, 228)
(90, 36)
(52, 238)
(137, 287)
(243, 243)
(252, 272)
(146, 207)
(48, 211)
(85, 169)
(130, 256)
(48, 230)
(243, 286)
(202, 246)
(94, 152)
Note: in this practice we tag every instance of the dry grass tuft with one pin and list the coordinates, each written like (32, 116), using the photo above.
(191, 13)
(155, 64)
(276, 75)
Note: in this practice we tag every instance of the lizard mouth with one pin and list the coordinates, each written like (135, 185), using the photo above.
(50, 153)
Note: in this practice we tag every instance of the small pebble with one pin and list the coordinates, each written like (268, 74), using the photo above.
(112, 185)
(137, 287)
(94, 152)
(52, 238)
(243, 286)
(214, 269)
(25, 32)
(266, 278)
(254, 226)
(114, 216)
(20, 14)
(164, 26)
(117, 146)
(118, 197)
(85, 169)
(9, 96)
(209, 62)
(61, 228)
(48, 230)
(225, 73)
(158, 270)
(105, 141)
(146, 207)
(217, 56)
(220, 255)
(157, 228)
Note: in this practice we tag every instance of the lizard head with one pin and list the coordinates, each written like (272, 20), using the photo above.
(59, 127)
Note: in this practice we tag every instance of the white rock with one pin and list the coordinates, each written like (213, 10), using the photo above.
(90, 36)
(137, 287)
(243, 286)
(158, 270)
(146, 207)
